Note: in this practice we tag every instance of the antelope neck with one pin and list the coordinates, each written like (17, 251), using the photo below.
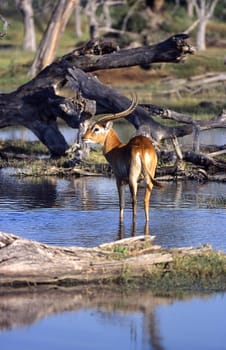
(111, 141)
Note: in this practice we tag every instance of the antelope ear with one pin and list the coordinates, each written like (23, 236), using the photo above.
(108, 125)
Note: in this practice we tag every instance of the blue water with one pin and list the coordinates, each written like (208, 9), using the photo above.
(196, 323)
(84, 212)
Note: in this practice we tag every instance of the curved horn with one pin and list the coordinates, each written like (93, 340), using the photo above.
(122, 114)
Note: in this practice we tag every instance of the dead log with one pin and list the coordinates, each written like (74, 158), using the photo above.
(204, 166)
(217, 153)
(109, 99)
(173, 49)
(37, 104)
(203, 160)
(218, 121)
(25, 262)
(38, 110)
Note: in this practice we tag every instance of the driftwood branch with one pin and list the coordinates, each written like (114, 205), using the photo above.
(218, 121)
(95, 55)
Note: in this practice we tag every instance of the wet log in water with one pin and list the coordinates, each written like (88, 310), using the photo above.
(28, 263)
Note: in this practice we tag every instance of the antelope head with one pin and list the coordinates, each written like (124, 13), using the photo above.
(96, 132)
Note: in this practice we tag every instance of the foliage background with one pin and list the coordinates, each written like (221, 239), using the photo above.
(15, 63)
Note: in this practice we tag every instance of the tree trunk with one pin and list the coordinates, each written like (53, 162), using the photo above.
(78, 30)
(4, 28)
(25, 6)
(204, 11)
(190, 8)
(201, 35)
(56, 26)
(91, 8)
(155, 5)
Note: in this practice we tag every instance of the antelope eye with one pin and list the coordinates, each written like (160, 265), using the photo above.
(96, 129)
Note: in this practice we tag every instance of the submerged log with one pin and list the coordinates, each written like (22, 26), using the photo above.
(28, 263)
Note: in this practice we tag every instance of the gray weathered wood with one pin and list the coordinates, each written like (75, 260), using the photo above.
(25, 262)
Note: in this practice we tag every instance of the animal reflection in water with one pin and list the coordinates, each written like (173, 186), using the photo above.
(130, 162)
(122, 229)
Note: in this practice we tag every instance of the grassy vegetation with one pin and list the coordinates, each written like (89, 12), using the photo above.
(19, 147)
(32, 158)
(204, 271)
(201, 269)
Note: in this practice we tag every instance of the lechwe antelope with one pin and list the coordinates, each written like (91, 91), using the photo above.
(130, 162)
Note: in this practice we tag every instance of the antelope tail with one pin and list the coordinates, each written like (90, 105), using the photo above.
(156, 183)
(147, 172)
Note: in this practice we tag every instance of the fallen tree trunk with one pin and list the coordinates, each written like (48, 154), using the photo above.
(38, 111)
(110, 100)
(25, 263)
(218, 121)
(203, 160)
(37, 104)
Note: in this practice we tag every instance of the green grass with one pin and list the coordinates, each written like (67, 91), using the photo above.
(211, 60)
(19, 147)
(201, 272)
(15, 63)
